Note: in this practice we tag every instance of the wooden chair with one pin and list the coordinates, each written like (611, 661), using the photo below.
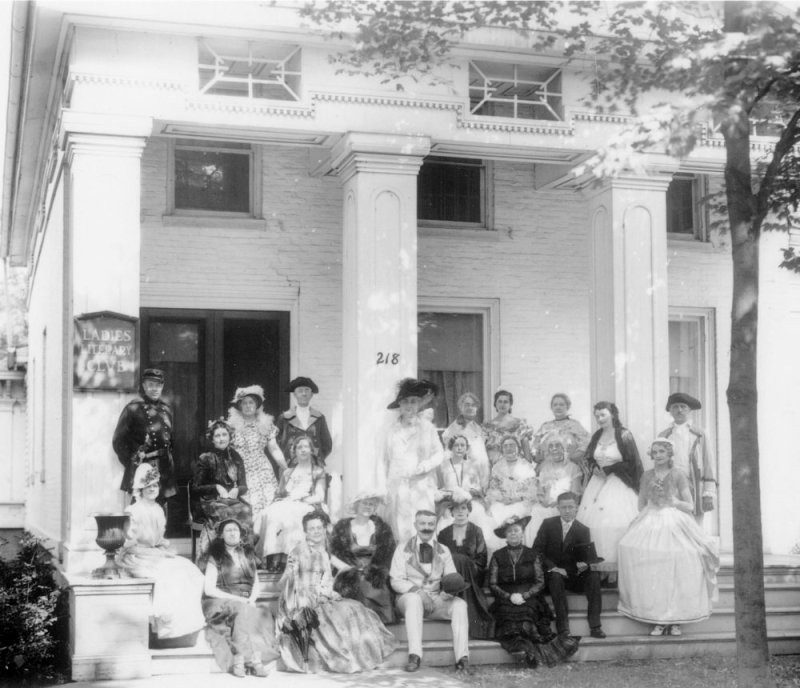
(196, 527)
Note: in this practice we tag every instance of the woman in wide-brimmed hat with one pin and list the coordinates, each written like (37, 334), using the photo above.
(466, 543)
(241, 634)
(523, 617)
(413, 452)
(147, 554)
(254, 437)
(361, 549)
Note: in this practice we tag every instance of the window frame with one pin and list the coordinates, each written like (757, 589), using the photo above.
(253, 153)
(487, 207)
(489, 309)
(707, 416)
(699, 210)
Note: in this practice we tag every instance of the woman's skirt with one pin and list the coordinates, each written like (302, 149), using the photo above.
(238, 628)
(607, 508)
(667, 569)
(177, 589)
(360, 586)
(350, 638)
(481, 621)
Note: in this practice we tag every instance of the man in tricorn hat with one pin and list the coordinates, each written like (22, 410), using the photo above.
(144, 434)
(693, 452)
(304, 421)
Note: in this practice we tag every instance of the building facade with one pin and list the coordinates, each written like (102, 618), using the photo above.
(258, 216)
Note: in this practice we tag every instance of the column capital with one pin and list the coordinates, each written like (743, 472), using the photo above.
(651, 181)
(95, 126)
(103, 145)
(380, 153)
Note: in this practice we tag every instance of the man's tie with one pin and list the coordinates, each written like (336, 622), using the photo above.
(425, 553)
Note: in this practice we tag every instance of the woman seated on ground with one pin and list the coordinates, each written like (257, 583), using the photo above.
(522, 615)
(556, 473)
(361, 549)
(466, 543)
(320, 631)
(466, 424)
(241, 634)
(575, 436)
(458, 472)
(503, 425)
(610, 500)
(178, 583)
(513, 491)
(302, 490)
(220, 483)
(667, 564)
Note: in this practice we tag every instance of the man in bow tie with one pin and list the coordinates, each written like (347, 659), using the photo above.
(564, 545)
(420, 572)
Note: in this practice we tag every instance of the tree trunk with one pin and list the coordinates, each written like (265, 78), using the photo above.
(748, 562)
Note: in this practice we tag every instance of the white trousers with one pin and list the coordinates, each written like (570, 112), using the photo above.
(453, 608)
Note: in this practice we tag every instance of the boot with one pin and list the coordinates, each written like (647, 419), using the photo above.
(238, 666)
(271, 562)
(258, 669)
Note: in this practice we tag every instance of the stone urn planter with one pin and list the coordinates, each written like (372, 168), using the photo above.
(110, 536)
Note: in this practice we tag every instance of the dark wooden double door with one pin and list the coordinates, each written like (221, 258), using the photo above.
(206, 355)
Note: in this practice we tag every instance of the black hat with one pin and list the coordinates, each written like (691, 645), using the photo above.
(428, 387)
(453, 583)
(521, 521)
(154, 374)
(409, 387)
(681, 398)
(586, 552)
(302, 382)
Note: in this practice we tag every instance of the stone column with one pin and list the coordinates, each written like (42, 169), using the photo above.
(103, 181)
(379, 309)
(629, 305)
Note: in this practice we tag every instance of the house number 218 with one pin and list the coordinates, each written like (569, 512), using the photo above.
(387, 359)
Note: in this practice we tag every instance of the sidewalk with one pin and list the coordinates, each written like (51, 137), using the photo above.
(385, 678)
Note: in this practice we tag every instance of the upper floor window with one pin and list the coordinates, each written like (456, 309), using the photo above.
(209, 176)
(517, 91)
(451, 192)
(684, 216)
(249, 69)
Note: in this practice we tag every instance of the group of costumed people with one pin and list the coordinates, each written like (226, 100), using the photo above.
(498, 507)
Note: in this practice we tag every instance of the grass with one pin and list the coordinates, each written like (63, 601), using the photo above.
(691, 672)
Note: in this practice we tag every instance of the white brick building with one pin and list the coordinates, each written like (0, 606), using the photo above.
(319, 261)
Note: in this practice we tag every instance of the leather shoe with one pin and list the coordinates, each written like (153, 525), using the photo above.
(597, 633)
(413, 663)
(462, 665)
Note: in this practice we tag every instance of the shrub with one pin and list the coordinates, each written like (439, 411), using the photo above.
(29, 597)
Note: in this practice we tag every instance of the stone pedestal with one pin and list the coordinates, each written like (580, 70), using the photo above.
(629, 305)
(108, 627)
(379, 305)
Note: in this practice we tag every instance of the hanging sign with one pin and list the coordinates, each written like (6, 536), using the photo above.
(105, 352)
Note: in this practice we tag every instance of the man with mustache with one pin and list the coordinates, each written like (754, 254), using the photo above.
(425, 578)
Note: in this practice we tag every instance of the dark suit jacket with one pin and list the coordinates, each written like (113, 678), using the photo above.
(554, 553)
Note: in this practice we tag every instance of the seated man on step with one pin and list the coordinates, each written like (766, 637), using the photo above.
(424, 576)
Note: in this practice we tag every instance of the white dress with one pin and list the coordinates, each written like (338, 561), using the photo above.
(178, 586)
(477, 446)
(667, 564)
(412, 455)
(608, 506)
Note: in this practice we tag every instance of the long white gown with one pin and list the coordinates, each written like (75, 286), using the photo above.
(178, 587)
(667, 564)
(607, 508)
(412, 455)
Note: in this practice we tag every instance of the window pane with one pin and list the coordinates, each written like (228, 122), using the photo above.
(680, 206)
(450, 354)
(176, 342)
(212, 181)
(686, 357)
(450, 191)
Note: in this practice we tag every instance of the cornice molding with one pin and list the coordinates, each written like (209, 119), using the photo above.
(249, 107)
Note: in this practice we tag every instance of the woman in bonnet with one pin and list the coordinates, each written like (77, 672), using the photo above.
(146, 554)
(254, 437)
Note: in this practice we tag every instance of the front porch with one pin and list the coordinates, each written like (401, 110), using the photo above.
(116, 646)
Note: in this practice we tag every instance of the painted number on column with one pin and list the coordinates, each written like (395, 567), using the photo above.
(387, 359)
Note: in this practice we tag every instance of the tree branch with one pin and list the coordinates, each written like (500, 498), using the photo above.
(761, 93)
(785, 143)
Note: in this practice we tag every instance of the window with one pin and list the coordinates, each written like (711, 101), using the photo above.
(684, 211)
(451, 191)
(213, 177)
(692, 368)
(249, 69)
(457, 349)
(516, 91)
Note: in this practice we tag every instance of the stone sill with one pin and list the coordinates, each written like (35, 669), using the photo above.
(214, 222)
(460, 234)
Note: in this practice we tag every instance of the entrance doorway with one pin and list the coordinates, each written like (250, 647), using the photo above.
(206, 355)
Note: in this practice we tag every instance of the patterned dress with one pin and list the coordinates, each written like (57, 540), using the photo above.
(250, 439)
(495, 431)
(349, 638)
(575, 436)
